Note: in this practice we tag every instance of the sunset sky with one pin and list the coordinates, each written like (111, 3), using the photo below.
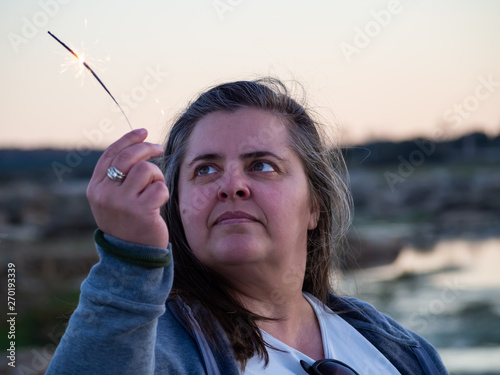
(373, 69)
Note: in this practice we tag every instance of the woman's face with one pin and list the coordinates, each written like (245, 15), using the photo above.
(243, 192)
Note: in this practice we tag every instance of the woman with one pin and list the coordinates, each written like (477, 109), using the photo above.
(219, 260)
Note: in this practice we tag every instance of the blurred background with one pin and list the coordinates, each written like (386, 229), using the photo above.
(410, 90)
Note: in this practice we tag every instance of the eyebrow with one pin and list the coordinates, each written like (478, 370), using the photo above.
(205, 157)
(245, 156)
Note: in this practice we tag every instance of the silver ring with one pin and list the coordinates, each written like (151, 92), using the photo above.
(116, 175)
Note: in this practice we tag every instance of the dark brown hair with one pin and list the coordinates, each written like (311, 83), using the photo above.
(324, 166)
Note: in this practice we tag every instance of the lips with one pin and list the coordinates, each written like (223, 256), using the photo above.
(234, 217)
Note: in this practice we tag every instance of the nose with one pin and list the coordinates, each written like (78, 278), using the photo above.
(234, 185)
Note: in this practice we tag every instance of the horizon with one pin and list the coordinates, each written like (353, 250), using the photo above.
(344, 146)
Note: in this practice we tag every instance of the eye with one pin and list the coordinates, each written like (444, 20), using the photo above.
(205, 170)
(262, 166)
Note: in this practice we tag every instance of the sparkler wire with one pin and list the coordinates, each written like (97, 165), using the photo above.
(84, 63)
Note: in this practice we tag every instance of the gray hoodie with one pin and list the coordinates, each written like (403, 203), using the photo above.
(126, 323)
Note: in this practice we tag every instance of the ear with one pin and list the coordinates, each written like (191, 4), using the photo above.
(313, 216)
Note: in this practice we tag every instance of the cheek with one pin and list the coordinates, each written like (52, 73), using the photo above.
(288, 206)
(191, 222)
(194, 205)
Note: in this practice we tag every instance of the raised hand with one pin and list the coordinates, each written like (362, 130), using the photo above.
(129, 209)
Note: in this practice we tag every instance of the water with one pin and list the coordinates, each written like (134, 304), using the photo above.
(450, 295)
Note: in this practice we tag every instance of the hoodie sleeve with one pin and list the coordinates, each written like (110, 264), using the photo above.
(113, 329)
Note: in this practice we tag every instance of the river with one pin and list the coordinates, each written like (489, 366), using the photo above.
(450, 294)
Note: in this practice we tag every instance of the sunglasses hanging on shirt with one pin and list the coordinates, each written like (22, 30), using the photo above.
(328, 367)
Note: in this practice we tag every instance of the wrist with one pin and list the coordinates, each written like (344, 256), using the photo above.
(133, 253)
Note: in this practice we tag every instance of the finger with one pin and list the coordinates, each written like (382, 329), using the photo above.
(141, 176)
(133, 137)
(130, 156)
(155, 195)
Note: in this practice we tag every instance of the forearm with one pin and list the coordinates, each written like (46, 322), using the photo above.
(113, 330)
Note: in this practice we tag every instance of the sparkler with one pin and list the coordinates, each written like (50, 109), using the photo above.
(93, 73)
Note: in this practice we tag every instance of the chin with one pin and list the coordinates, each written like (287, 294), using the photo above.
(236, 252)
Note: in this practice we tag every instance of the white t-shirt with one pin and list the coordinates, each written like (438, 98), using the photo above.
(340, 341)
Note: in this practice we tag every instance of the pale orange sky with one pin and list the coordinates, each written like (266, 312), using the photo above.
(374, 69)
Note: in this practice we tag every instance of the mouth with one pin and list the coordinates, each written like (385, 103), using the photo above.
(234, 217)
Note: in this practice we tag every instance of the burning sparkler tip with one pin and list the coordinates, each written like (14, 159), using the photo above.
(82, 62)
